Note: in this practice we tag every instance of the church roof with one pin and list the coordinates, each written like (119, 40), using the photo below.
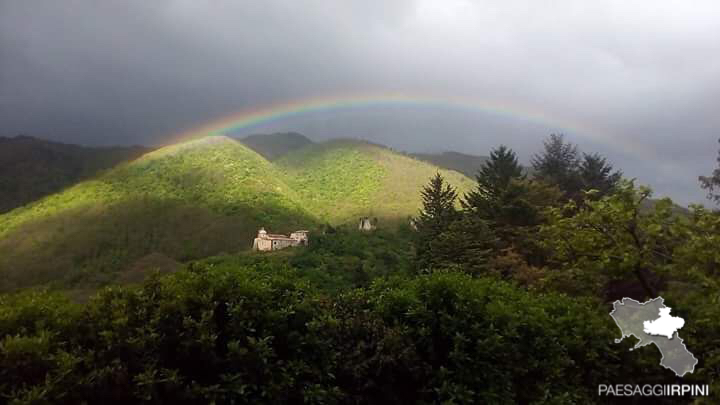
(273, 236)
(277, 236)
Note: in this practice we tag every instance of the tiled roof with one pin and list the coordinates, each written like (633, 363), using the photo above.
(276, 236)
(271, 236)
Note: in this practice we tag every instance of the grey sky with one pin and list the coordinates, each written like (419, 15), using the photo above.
(637, 81)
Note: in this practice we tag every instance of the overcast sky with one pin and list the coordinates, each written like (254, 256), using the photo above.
(638, 81)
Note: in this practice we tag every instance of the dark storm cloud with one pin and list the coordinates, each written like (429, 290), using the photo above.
(641, 79)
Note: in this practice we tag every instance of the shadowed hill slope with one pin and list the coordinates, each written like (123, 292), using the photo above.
(185, 201)
(468, 165)
(32, 168)
(274, 146)
(200, 198)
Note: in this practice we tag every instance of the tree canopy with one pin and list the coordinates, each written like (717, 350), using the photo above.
(560, 164)
(712, 183)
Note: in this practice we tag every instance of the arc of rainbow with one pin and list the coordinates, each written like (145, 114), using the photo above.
(254, 117)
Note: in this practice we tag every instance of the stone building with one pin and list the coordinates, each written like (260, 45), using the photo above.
(267, 241)
(301, 236)
(367, 225)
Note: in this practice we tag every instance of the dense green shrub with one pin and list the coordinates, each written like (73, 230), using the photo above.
(333, 262)
(246, 336)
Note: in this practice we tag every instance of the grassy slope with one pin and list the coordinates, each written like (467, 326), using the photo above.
(342, 180)
(185, 201)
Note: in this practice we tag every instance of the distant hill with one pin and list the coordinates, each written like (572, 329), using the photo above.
(32, 168)
(340, 180)
(466, 164)
(649, 205)
(274, 146)
(198, 199)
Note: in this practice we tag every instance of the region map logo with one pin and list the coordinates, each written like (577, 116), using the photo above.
(651, 323)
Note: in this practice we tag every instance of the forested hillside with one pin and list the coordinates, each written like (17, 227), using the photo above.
(32, 168)
(200, 198)
(185, 201)
(340, 180)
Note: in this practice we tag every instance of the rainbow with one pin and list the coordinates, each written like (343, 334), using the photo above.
(275, 112)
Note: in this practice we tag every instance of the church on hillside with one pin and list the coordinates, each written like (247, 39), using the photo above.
(265, 242)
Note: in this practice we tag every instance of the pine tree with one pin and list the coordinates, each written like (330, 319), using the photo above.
(712, 183)
(438, 207)
(467, 245)
(597, 174)
(559, 165)
(507, 202)
(436, 216)
(493, 179)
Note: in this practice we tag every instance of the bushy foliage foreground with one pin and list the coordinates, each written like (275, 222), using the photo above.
(243, 336)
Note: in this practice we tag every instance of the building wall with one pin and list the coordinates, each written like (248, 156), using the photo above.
(262, 244)
(265, 242)
(301, 237)
(365, 225)
(282, 243)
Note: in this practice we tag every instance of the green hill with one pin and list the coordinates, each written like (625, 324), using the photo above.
(185, 201)
(32, 168)
(202, 198)
(274, 146)
(341, 180)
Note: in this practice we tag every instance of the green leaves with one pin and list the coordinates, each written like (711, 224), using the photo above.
(560, 164)
(242, 335)
(610, 238)
(712, 183)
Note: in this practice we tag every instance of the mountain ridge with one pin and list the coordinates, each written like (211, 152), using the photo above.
(274, 146)
(464, 163)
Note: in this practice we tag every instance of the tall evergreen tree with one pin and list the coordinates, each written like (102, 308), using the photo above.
(493, 178)
(559, 164)
(438, 210)
(508, 203)
(597, 174)
(467, 245)
(712, 183)
(435, 218)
